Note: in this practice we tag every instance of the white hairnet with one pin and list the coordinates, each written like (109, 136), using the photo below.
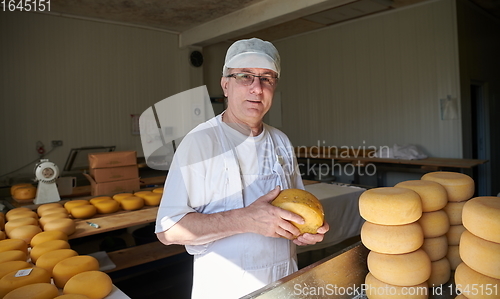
(252, 53)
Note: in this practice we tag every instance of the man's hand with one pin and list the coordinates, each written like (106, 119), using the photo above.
(311, 239)
(272, 221)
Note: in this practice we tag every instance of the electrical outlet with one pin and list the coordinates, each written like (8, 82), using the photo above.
(56, 143)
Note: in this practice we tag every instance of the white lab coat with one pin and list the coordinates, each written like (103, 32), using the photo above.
(206, 177)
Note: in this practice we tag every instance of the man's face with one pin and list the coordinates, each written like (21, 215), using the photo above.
(249, 103)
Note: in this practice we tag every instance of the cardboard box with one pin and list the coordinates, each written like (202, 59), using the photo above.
(112, 159)
(104, 175)
(111, 188)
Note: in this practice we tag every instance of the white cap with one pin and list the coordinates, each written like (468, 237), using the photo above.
(253, 53)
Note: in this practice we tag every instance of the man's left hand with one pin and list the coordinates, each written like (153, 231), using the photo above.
(311, 239)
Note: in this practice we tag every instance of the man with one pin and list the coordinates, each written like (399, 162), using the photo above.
(224, 175)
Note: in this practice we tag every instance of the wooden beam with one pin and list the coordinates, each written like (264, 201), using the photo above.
(252, 18)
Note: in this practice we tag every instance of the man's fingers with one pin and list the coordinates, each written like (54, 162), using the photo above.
(290, 216)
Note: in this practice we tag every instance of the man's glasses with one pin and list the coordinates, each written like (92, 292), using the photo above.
(247, 79)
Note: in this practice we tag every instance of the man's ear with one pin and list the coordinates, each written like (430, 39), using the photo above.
(223, 83)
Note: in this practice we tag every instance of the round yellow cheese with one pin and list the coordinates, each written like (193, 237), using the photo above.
(454, 233)
(12, 255)
(18, 222)
(158, 190)
(459, 186)
(93, 284)
(47, 236)
(41, 290)
(2, 235)
(74, 203)
(481, 216)
(453, 255)
(475, 285)
(26, 232)
(41, 208)
(304, 204)
(436, 248)
(72, 296)
(48, 246)
(15, 211)
(13, 244)
(83, 211)
(71, 266)
(107, 206)
(7, 267)
(376, 289)
(27, 193)
(20, 185)
(392, 239)
(49, 259)
(142, 193)
(434, 224)
(481, 255)
(99, 198)
(440, 272)
(390, 206)
(454, 211)
(20, 214)
(152, 199)
(118, 197)
(48, 218)
(11, 282)
(131, 203)
(53, 210)
(432, 194)
(65, 225)
(406, 269)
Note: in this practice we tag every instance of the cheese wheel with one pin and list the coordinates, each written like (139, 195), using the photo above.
(481, 216)
(454, 233)
(475, 285)
(152, 199)
(49, 259)
(20, 185)
(2, 235)
(392, 239)
(158, 190)
(93, 284)
(83, 211)
(13, 244)
(74, 203)
(376, 289)
(481, 255)
(432, 194)
(27, 193)
(454, 211)
(131, 203)
(453, 255)
(7, 267)
(41, 290)
(72, 296)
(15, 211)
(13, 255)
(390, 206)
(48, 246)
(118, 197)
(142, 193)
(41, 209)
(18, 222)
(11, 282)
(107, 206)
(21, 214)
(436, 248)
(434, 224)
(99, 198)
(71, 266)
(459, 186)
(406, 269)
(26, 232)
(53, 210)
(440, 272)
(65, 225)
(303, 203)
(47, 236)
(48, 218)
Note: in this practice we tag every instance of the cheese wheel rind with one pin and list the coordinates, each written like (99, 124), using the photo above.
(459, 186)
(475, 285)
(10, 266)
(481, 216)
(12, 255)
(25, 233)
(45, 247)
(432, 194)
(132, 203)
(453, 255)
(454, 233)
(376, 289)
(107, 206)
(392, 239)
(11, 282)
(71, 266)
(41, 208)
(49, 259)
(440, 272)
(436, 248)
(390, 205)
(83, 211)
(47, 236)
(13, 244)
(480, 255)
(400, 269)
(41, 290)
(65, 225)
(434, 224)
(93, 284)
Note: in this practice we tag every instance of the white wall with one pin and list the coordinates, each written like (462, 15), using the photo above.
(79, 81)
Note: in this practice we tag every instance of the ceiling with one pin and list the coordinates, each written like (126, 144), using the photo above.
(204, 22)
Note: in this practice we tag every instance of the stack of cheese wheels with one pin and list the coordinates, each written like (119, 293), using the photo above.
(459, 188)
(435, 225)
(396, 261)
(478, 276)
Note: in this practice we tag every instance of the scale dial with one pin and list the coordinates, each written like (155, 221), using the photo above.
(46, 171)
